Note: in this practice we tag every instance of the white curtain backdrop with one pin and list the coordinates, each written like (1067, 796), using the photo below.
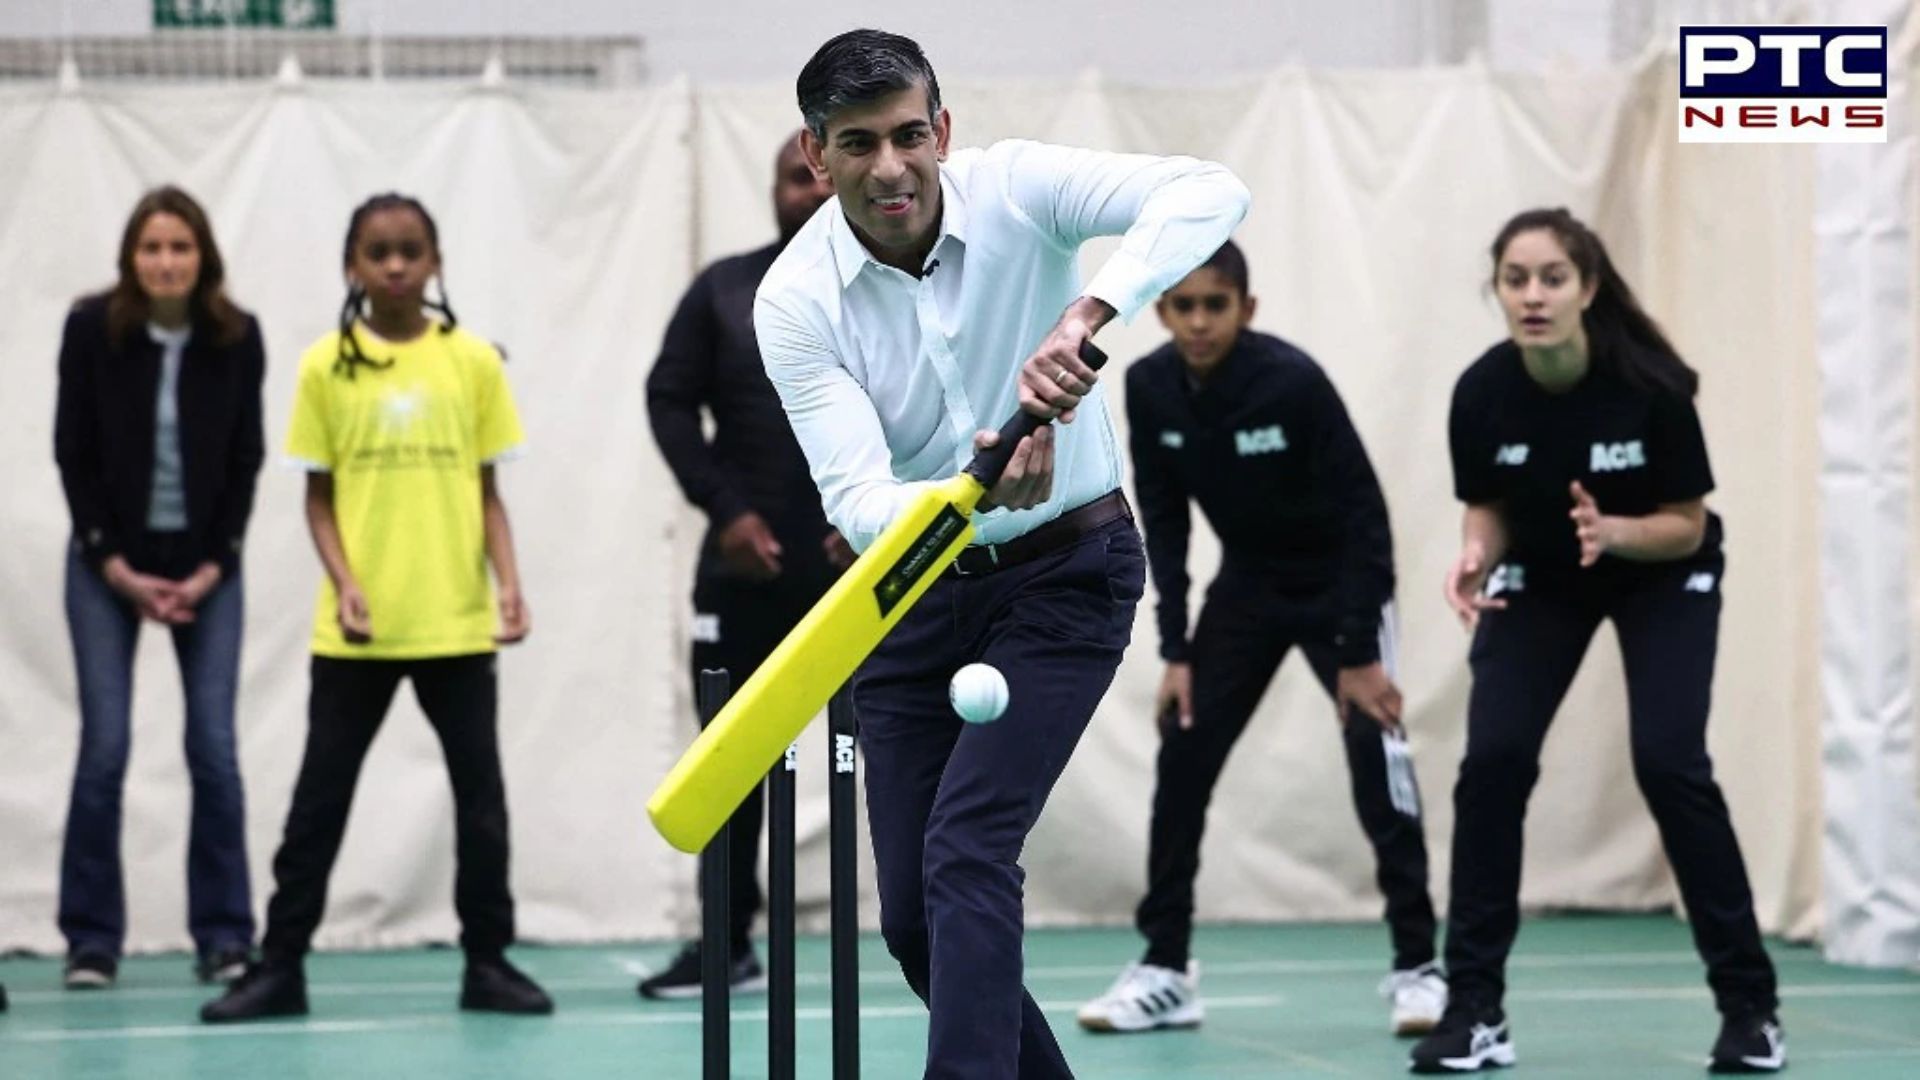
(563, 222)
(1869, 264)
(572, 220)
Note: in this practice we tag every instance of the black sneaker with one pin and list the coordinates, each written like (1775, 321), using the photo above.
(263, 990)
(222, 965)
(682, 978)
(493, 985)
(1749, 1042)
(1469, 1037)
(91, 971)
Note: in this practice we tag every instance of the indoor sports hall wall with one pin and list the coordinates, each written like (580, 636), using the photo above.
(572, 220)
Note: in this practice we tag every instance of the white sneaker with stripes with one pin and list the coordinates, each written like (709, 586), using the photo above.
(1147, 997)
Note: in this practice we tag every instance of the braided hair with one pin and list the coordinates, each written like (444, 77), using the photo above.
(350, 356)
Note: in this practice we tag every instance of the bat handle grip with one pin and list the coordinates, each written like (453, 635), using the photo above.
(988, 464)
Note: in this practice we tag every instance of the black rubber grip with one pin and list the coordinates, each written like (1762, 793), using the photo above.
(988, 464)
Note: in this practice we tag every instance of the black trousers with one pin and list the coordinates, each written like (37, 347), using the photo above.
(1523, 659)
(737, 624)
(1244, 633)
(348, 702)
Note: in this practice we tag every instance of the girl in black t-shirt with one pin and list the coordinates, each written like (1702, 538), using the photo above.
(1579, 455)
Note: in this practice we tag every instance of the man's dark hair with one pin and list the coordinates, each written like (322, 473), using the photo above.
(860, 66)
(1232, 265)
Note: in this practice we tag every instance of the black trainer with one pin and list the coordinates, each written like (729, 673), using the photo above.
(682, 978)
(222, 965)
(1749, 1042)
(91, 971)
(264, 990)
(493, 985)
(1469, 1037)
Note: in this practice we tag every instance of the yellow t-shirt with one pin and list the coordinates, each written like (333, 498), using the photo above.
(405, 445)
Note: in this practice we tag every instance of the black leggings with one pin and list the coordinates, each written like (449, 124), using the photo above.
(1523, 659)
(348, 702)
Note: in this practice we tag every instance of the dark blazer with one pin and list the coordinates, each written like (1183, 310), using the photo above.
(103, 434)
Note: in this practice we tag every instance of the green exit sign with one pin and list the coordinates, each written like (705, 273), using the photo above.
(265, 14)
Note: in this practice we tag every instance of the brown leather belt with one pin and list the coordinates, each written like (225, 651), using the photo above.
(1056, 535)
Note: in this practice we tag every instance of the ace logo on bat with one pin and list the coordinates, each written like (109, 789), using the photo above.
(1783, 84)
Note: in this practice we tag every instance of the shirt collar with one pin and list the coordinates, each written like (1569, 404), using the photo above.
(162, 335)
(850, 255)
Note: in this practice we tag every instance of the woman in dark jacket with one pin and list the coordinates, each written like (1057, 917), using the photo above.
(157, 433)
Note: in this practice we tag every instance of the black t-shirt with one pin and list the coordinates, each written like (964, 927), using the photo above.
(1516, 444)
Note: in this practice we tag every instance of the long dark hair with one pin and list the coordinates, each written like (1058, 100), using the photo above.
(351, 357)
(208, 308)
(1621, 336)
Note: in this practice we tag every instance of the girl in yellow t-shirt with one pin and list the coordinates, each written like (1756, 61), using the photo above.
(399, 418)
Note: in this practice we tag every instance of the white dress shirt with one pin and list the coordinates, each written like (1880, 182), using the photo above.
(885, 376)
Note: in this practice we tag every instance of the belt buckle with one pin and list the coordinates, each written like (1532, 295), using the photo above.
(993, 556)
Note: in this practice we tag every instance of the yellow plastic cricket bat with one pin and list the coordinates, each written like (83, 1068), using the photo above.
(768, 712)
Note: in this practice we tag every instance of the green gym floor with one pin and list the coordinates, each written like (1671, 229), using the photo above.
(1600, 996)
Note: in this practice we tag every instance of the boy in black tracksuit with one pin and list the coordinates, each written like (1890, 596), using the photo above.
(1249, 426)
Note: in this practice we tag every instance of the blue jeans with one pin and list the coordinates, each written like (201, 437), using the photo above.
(104, 628)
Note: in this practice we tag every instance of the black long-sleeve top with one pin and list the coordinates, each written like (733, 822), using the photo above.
(1266, 448)
(103, 438)
(710, 360)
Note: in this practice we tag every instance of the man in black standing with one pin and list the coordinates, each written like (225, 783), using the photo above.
(769, 553)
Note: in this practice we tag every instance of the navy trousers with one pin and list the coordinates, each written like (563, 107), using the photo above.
(949, 804)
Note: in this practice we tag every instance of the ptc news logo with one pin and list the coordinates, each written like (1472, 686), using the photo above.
(1803, 84)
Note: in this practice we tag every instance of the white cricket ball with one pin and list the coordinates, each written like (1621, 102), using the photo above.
(978, 693)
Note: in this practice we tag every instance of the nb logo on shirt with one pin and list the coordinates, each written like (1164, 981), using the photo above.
(1700, 583)
(1266, 440)
(1507, 578)
(1613, 457)
(1172, 440)
(1511, 454)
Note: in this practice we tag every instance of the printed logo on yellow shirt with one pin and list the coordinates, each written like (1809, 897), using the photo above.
(400, 408)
